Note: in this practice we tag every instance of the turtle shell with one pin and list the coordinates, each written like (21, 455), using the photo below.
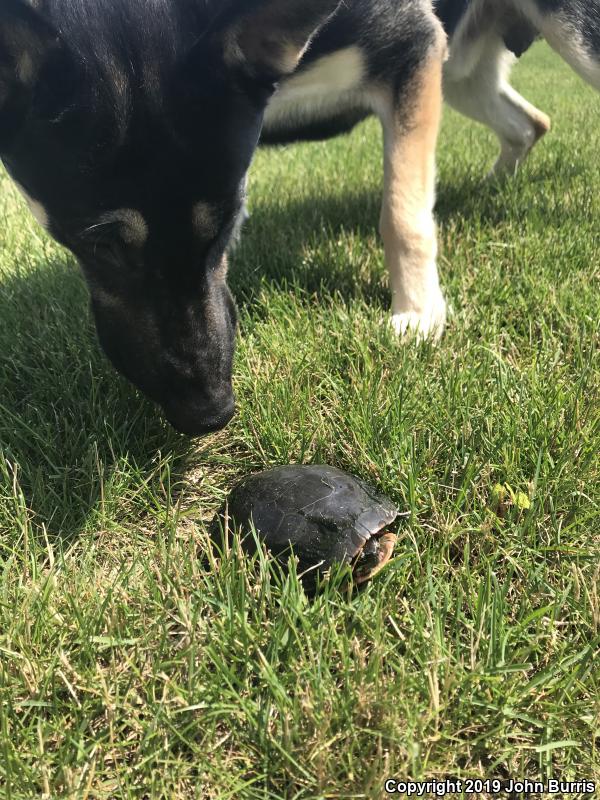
(324, 515)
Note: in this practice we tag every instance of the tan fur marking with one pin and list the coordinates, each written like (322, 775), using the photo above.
(204, 220)
(222, 269)
(107, 299)
(232, 52)
(269, 37)
(26, 69)
(269, 50)
(407, 224)
(134, 229)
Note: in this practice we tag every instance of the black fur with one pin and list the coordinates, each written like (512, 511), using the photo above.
(451, 12)
(519, 36)
(315, 130)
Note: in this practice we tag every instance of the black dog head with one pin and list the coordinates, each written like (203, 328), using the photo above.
(130, 126)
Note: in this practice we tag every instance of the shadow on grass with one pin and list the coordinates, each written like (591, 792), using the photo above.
(299, 243)
(70, 427)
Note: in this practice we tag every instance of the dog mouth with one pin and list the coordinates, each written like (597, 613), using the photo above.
(196, 420)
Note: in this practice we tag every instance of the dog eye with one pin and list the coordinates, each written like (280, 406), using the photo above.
(108, 251)
(105, 246)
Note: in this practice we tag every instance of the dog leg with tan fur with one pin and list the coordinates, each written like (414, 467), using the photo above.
(407, 224)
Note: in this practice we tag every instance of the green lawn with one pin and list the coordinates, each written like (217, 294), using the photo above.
(133, 667)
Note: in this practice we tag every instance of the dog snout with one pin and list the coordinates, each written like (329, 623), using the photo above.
(198, 418)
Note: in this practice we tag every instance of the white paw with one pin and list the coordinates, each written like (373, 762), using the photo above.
(427, 324)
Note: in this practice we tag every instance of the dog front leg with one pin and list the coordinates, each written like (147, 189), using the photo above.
(410, 127)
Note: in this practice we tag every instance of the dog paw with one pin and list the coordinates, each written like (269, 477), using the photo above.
(428, 324)
(514, 153)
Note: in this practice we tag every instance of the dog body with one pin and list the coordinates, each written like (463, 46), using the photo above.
(131, 130)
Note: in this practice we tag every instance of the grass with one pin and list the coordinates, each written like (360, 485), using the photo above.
(131, 666)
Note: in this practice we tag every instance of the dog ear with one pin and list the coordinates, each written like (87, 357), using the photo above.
(268, 38)
(27, 42)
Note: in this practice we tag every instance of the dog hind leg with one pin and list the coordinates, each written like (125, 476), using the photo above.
(573, 30)
(407, 224)
(485, 95)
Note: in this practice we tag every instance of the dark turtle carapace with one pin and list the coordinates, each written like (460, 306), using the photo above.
(321, 514)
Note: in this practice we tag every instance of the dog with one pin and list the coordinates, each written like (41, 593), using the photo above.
(131, 127)
(486, 37)
(130, 131)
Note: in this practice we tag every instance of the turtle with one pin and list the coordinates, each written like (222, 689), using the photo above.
(323, 515)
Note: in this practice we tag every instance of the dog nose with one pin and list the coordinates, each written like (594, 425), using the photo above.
(199, 420)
